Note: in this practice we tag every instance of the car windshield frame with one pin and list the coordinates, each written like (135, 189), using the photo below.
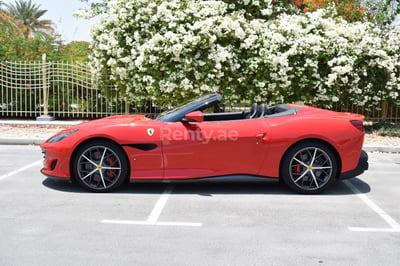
(176, 114)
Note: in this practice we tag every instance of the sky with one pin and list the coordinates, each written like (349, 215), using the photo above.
(60, 12)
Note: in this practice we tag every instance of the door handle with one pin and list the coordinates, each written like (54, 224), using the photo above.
(262, 136)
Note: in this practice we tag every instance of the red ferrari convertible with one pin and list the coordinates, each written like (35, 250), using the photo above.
(307, 148)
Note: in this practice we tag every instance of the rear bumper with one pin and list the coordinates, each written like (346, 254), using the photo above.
(361, 167)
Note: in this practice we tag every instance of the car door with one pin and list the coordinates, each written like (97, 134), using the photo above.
(201, 149)
(142, 143)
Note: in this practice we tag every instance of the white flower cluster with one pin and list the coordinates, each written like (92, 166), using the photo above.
(245, 49)
(83, 13)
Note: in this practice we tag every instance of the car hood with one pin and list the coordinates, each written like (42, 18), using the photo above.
(111, 121)
(116, 120)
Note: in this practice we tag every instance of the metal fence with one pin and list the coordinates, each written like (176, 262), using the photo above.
(60, 89)
(68, 90)
(385, 112)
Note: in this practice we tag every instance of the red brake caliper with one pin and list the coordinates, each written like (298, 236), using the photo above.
(297, 169)
(111, 173)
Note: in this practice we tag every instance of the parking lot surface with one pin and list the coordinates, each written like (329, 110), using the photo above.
(48, 222)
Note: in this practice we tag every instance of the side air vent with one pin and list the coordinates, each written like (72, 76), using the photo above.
(143, 146)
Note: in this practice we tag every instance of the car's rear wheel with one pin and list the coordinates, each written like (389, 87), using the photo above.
(100, 166)
(309, 167)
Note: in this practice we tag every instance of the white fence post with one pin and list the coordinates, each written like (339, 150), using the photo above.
(45, 116)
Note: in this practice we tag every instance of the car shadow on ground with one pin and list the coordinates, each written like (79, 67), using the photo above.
(205, 188)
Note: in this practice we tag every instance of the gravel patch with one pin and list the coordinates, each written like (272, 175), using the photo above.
(376, 140)
(29, 132)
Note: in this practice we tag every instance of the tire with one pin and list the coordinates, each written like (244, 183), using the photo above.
(309, 167)
(100, 166)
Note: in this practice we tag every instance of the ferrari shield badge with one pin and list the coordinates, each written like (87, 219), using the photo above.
(150, 131)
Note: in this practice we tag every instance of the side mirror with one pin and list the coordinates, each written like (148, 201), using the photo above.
(196, 116)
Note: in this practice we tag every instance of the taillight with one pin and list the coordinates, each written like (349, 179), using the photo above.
(358, 124)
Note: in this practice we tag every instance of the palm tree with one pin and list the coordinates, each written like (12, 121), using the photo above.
(29, 14)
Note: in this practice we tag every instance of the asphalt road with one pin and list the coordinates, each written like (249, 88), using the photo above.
(46, 222)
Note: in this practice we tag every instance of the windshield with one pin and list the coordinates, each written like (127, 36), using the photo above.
(190, 106)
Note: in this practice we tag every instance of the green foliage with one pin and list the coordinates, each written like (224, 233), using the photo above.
(24, 36)
(29, 15)
(382, 12)
(74, 51)
(15, 45)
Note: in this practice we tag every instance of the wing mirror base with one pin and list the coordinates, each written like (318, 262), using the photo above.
(196, 116)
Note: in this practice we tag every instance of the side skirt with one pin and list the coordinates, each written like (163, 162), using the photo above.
(213, 179)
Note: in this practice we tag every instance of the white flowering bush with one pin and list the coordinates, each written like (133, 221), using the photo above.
(319, 59)
(265, 51)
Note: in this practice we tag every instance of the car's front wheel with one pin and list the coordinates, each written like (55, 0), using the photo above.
(309, 167)
(100, 166)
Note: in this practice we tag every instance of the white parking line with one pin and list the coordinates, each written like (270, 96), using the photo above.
(155, 214)
(153, 217)
(150, 223)
(394, 226)
(20, 170)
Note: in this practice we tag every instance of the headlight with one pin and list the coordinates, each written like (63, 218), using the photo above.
(61, 137)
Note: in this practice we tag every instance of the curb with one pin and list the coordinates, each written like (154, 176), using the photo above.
(382, 149)
(4, 141)
(39, 123)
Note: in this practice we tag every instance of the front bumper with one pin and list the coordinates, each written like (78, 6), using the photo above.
(55, 161)
(361, 167)
(48, 174)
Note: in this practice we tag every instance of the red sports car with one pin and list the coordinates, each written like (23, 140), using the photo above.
(307, 148)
